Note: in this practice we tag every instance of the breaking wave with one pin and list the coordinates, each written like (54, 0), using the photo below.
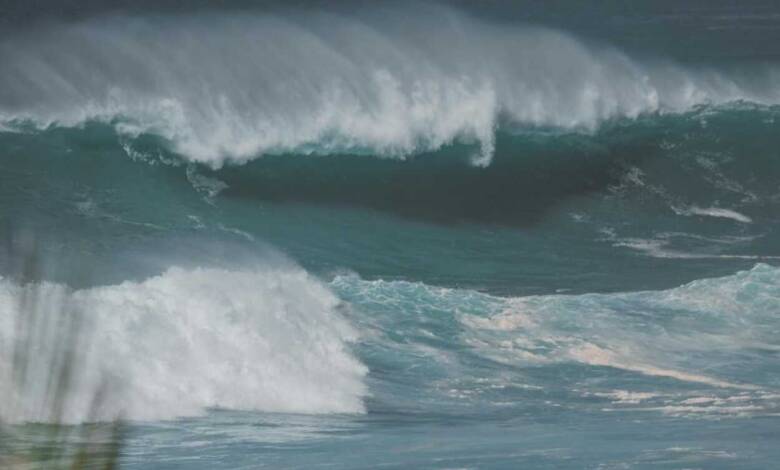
(229, 88)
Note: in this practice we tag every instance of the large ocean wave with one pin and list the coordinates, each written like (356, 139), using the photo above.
(229, 87)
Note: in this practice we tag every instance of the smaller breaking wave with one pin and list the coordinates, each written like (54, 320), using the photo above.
(654, 350)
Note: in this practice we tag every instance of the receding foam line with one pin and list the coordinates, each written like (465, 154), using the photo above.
(596, 356)
(657, 249)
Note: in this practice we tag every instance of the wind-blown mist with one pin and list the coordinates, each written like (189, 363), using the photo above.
(230, 87)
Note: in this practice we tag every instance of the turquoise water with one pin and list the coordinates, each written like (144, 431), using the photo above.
(393, 235)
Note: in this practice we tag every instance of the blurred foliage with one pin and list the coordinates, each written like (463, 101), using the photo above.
(51, 443)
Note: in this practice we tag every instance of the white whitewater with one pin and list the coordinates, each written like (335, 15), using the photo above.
(176, 345)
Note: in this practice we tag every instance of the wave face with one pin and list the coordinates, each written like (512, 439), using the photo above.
(228, 87)
(176, 345)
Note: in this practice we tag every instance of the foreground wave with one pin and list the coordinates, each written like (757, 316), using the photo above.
(176, 345)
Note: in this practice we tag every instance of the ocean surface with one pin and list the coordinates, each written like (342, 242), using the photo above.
(536, 235)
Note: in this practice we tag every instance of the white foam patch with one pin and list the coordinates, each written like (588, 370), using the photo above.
(660, 248)
(717, 212)
(222, 87)
(627, 397)
(679, 410)
(716, 404)
(175, 345)
(208, 186)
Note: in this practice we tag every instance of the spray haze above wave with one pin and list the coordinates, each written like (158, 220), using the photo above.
(229, 87)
